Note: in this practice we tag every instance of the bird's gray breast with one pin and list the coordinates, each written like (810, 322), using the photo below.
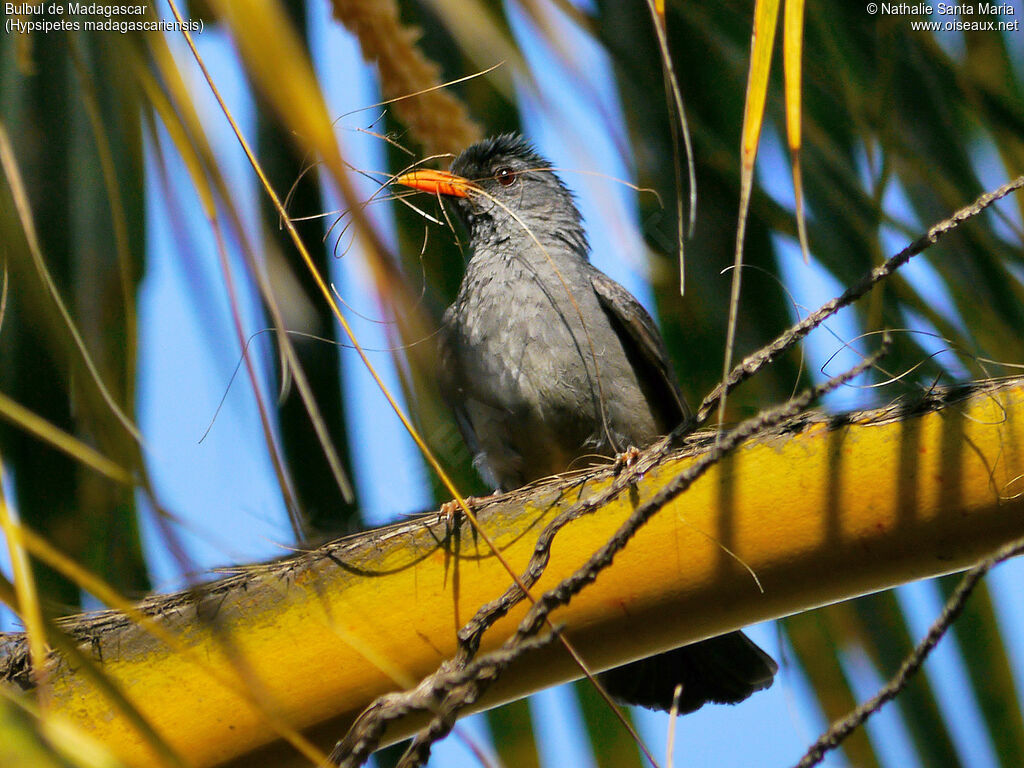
(538, 379)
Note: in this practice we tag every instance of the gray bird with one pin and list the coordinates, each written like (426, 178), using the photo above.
(545, 360)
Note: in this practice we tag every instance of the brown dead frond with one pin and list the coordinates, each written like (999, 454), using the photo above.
(436, 117)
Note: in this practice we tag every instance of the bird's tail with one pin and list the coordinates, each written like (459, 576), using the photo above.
(723, 670)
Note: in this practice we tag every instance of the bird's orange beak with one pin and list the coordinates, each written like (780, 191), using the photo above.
(436, 182)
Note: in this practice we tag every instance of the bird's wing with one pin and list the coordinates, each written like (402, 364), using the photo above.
(644, 347)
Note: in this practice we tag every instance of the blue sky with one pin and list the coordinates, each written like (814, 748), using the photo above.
(223, 489)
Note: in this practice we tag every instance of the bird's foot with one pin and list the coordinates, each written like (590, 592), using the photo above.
(626, 459)
(450, 511)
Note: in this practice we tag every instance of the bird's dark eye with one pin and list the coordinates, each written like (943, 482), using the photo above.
(505, 176)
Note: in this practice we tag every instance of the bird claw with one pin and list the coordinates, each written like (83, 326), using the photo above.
(451, 510)
(450, 513)
(626, 459)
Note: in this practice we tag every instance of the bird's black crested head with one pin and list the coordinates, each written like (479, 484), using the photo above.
(516, 190)
(506, 147)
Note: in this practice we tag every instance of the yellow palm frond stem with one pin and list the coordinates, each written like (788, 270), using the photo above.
(821, 511)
